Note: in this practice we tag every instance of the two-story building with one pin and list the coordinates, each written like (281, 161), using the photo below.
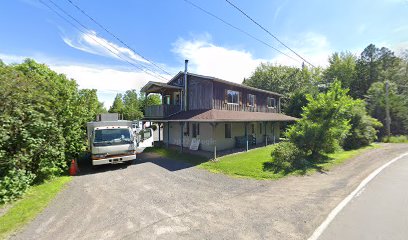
(220, 114)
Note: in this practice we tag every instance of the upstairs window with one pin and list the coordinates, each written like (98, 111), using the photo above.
(251, 100)
(270, 102)
(232, 97)
(167, 99)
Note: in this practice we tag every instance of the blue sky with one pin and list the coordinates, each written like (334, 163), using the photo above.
(167, 32)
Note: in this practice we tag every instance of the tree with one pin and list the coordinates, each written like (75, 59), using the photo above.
(131, 110)
(342, 67)
(89, 100)
(117, 106)
(42, 119)
(292, 82)
(152, 99)
(324, 123)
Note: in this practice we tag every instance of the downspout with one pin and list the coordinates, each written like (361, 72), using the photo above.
(185, 84)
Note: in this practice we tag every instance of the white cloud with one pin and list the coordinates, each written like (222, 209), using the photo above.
(209, 59)
(90, 42)
(235, 64)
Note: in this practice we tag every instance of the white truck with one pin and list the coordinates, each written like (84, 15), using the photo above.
(114, 141)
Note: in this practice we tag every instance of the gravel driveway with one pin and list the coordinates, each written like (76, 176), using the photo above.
(158, 198)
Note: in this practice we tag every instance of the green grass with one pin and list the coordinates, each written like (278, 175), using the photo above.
(176, 155)
(252, 164)
(396, 139)
(32, 203)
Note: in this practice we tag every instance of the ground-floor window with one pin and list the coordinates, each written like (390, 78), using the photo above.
(228, 130)
(252, 128)
(260, 128)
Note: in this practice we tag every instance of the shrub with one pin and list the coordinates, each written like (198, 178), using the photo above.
(14, 184)
(363, 127)
(153, 127)
(396, 139)
(286, 156)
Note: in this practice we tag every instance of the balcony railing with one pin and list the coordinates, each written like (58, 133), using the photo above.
(161, 111)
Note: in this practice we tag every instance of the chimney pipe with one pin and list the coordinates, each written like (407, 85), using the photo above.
(185, 84)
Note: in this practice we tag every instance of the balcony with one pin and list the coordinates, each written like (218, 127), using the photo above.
(161, 111)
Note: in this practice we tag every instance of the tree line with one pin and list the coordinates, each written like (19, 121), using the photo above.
(366, 77)
(343, 106)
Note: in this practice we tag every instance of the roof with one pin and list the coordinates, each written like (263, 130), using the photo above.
(225, 82)
(215, 115)
(158, 84)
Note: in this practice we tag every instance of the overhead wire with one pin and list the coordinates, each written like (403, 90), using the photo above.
(94, 39)
(116, 37)
(237, 28)
(267, 31)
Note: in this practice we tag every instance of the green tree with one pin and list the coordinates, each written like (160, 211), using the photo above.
(117, 106)
(324, 123)
(89, 101)
(292, 82)
(131, 104)
(342, 66)
(152, 99)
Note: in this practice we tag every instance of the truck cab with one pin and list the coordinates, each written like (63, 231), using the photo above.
(112, 144)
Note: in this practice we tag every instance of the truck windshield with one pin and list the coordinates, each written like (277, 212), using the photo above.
(107, 137)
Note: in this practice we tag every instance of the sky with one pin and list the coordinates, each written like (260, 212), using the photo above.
(148, 40)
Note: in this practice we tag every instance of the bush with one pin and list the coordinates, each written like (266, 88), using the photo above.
(287, 157)
(153, 127)
(14, 184)
(396, 139)
(363, 128)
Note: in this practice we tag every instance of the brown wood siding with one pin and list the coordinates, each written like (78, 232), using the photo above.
(200, 93)
(219, 100)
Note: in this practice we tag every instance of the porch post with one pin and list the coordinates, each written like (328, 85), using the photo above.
(246, 135)
(181, 136)
(266, 135)
(168, 134)
(214, 126)
(159, 131)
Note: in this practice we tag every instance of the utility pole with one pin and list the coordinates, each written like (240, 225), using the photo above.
(387, 110)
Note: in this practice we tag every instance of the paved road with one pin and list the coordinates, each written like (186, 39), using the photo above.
(380, 211)
(158, 198)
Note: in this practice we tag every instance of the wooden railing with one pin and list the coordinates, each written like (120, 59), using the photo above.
(217, 104)
(161, 111)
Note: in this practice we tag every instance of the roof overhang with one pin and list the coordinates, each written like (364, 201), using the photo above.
(158, 87)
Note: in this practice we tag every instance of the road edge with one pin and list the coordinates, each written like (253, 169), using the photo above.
(319, 230)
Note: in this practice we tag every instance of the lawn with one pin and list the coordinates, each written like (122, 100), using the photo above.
(254, 163)
(31, 204)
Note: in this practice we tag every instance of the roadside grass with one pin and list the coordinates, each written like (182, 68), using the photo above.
(32, 203)
(396, 139)
(176, 155)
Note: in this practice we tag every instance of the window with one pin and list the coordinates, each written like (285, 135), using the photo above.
(270, 102)
(167, 99)
(260, 128)
(251, 100)
(228, 130)
(196, 130)
(232, 97)
(253, 128)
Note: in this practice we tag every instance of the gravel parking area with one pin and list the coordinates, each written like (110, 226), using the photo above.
(158, 198)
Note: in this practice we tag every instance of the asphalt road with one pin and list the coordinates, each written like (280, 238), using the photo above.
(158, 198)
(380, 211)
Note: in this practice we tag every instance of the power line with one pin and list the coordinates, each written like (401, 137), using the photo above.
(117, 38)
(266, 30)
(239, 29)
(95, 40)
(113, 46)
